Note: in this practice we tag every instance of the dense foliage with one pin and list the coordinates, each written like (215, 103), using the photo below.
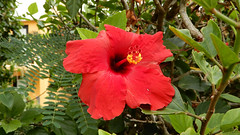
(203, 35)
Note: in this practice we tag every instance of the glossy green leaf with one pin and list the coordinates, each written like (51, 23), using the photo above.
(7, 99)
(190, 131)
(194, 83)
(86, 34)
(188, 39)
(181, 122)
(230, 119)
(207, 43)
(226, 55)
(33, 8)
(213, 73)
(11, 126)
(118, 20)
(73, 6)
(231, 98)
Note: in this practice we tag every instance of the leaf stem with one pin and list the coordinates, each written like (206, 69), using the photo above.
(195, 116)
(236, 48)
(217, 63)
(225, 18)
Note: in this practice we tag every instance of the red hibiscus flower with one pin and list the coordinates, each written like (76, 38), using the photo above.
(119, 68)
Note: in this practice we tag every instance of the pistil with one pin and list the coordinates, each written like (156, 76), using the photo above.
(118, 64)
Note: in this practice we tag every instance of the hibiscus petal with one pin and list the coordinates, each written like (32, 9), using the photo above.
(120, 40)
(152, 47)
(147, 85)
(87, 56)
(104, 92)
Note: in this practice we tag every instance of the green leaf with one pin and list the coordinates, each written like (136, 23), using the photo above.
(188, 39)
(102, 132)
(173, 43)
(31, 116)
(189, 131)
(67, 127)
(175, 107)
(7, 99)
(118, 20)
(213, 124)
(194, 83)
(18, 105)
(86, 34)
(73, 6)
(230, 97)
(231, 119)
(213, 73)
(207, 43)
(181, 122)
(226, 55)
(37, 131)
(221, 107)
(33, 8)
(11, 126)
(235, 132)
(207, 4)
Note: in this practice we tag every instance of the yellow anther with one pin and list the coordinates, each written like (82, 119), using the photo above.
(134, 57)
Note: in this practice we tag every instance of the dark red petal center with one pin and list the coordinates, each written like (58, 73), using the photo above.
(119, 64)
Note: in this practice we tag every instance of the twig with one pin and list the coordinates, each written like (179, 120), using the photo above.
(187, 73)
(124, 3)
(165, 131)
(37, 96)
(193, 30)
(85, 19)
(195, 116)
(145, 121)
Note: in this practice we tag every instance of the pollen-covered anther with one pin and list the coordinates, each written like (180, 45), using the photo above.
(134, 57)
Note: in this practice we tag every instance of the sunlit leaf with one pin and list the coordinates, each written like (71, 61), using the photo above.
(226, 55)
(33, 8)
(73, 6)
(7, 99)
(86, 34)
(188, 39)
(190, 131)
(230, 97)
(231, 119)
(118, 20)
(11, 126)
(213, 73)
(181, 122)
(207, 43)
